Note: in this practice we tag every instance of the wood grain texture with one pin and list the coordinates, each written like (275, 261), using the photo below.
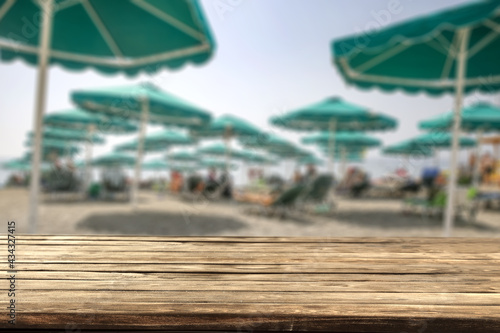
(255, 284)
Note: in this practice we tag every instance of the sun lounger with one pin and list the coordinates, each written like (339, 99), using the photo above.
(278, 204)
(115, 189)
(466, 204)
(62, 184)
(315, 197)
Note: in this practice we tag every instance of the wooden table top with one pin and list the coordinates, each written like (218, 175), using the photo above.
(255, 284)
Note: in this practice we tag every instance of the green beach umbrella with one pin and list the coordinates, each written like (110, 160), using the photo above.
(227, 127)
(346, 153)
(20, 165)
(158, 141)
(441, 140)
(183, 156)
(349, 139)
(184, 168)
(334, 114)
(69, 135)
(453, 51)
(254, 158)
(168, 137)
(158, 34)
(290, 153)
(477, 118)
(59, 147)
(81, 34)
(82, 120)
(114, 159)
(76, 119)
(157, 164)
(348, 145)
(146, 102)
(133, 145)
(266, 141)
(481, 116)
(220, 150)
(310, 160)
(408, 148)
(17, 165)
(217, 164)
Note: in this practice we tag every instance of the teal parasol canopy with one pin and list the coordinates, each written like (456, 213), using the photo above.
(217, 164)
(81, 120)
(114, 159)
(421, 54)
(92, 33)
(156, 164)
(227, 126)
(183, 156)
(441, 140)
(69, 135)
(481, 116)
(348, 139)
(409, 148)
(128, 102)
(337, 113)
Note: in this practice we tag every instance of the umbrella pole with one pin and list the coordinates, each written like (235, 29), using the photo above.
(41, 94)
(88, 157)
(228, 153)
(331, 145)
(344, 161)
(459, 90)
(476, 177)
(140, 151)
(436, 157)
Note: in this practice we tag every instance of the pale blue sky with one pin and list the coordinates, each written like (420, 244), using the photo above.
(272, 56)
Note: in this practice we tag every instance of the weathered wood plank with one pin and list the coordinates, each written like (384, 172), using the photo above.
(256, 283)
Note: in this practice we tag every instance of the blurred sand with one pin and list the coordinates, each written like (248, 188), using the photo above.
(172, 216)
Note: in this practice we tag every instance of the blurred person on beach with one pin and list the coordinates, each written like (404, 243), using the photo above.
(487, 166)
(227, 183)
(360, 182)
(409, 185)
(297, 177)
(211, 183)
(176, 181)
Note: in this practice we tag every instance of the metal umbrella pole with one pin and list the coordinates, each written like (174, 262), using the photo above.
(461, 70)
(41, 95)
(140, 151)
(331, 145)
(476, 176)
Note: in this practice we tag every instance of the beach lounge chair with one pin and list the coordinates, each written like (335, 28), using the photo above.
(115, 188)
(315, 197)
(278, 205)
(466, 204)
(63, 184)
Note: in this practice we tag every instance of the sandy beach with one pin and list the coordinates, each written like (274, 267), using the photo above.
(169, 215)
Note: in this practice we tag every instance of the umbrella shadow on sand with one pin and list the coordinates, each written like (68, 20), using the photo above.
(384, 219)
(160, 223)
